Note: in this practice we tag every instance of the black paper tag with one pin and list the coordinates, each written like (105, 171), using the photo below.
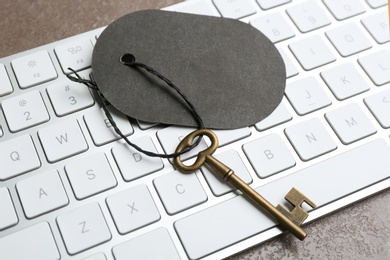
(232, 74)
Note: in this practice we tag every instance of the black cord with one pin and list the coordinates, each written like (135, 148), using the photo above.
(129, 60)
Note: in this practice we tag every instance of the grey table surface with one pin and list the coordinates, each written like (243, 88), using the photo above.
(360, 231)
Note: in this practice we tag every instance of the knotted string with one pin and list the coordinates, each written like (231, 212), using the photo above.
(129, 60)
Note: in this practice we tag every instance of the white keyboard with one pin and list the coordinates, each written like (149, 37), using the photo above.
(71, 189)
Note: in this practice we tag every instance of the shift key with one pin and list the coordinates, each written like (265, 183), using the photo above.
(234, 220)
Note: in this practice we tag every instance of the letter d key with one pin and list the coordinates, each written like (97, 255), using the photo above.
(290, 220)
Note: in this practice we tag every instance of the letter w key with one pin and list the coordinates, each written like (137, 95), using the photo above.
(291, 220)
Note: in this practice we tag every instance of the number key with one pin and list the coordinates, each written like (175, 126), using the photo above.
(25, 111)
(308, 16)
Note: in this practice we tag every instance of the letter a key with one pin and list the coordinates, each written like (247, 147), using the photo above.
(290, 220)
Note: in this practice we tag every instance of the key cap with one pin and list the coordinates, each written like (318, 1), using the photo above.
(132, 209)
(377, 3)
(98, 256)
(18, 156)
(290, 220)
(348, 39)
(42, 193)
(226, 137)
(350, 123)
(62, 140)
(34, 69)
(76, 55)
(68, 97)
(268, 155)
(35, 242)
(312, 52)
(235, 9)
(268, 4)
(202, 7)
(83, 228)
(343, 9)
(145, 125)
(378, 26)
(25, 111)
(179, 192)
(291, 69)
(8, 217)
(217, 185)
(308, 16)
(274, 26)
(377, 66)
(101, 129)
(235, 219)
(90, 175)
(306, 95)
(171, 136)
(279, 116)
(379, 105)
(5, 84)
(163, 247)
(310, 139)
(132, 164)
(344, 81)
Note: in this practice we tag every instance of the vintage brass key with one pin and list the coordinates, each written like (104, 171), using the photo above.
(289, 219)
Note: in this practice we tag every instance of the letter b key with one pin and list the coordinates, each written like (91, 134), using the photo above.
(290, 220)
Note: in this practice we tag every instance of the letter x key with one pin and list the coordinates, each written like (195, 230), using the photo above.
(289, 219)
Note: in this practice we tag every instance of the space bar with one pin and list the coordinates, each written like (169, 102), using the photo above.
(227, 223)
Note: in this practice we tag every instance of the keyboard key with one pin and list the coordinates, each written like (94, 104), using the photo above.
(98, 256)
(163, 247)
(42, 193)
(68, 97)
(17, 156)
(8, 217)
(377, 66)
(145, 125)
(218, 185)
(235, 9)
(83, 228)
(350, 123)
(379, 105)
(308, 16)
(101, 129)
(62, 140)
(76, 55)
(312, 52)
(34, 69)
(268, 155)
(132, 209)
(378, 26)
(179, 191)
(25, 111)
(274, 26)
(344, 81)
(132, 164)
(348, 39)
(202, 7)
(35, 242)
(170, 138)
(306, 95)
(279, 116)
(90, 175)
(5, 84)
(377, 3)
(291, 69)
(310, 139)
(229, 136)
(268, 4)
(343, 9)
(313, 181)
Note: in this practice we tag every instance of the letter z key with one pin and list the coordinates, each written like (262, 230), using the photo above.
(290, 220)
